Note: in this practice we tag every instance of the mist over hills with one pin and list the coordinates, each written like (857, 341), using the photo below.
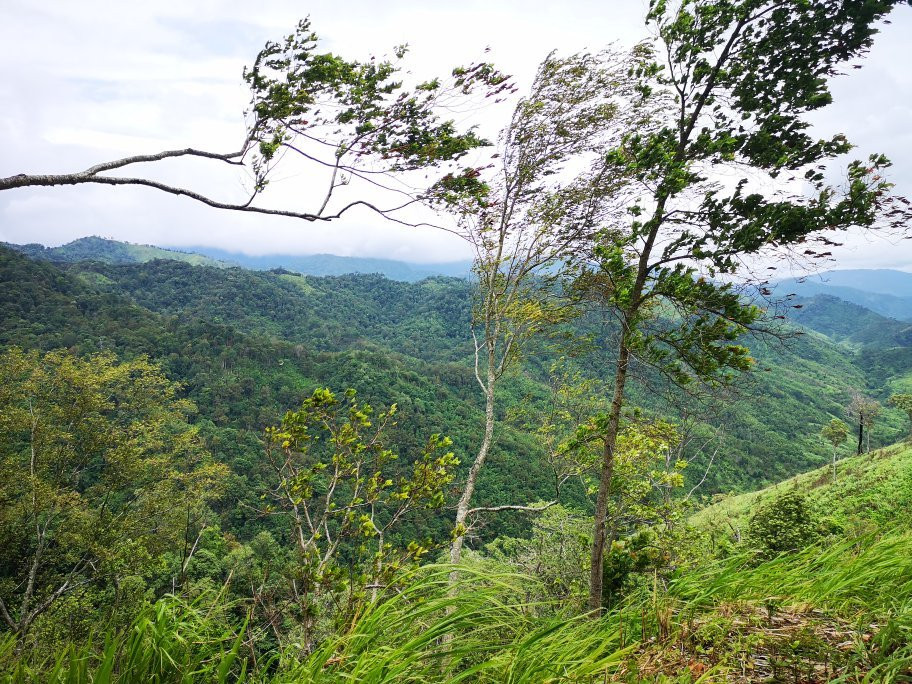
(334, 265)
(885, 291)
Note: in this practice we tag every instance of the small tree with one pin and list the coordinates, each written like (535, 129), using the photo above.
(865, 411)
(641, 488)
(556, 554)
(783, 525)
(343, 493)
(544, 193)
(835, 432)
(904, 403)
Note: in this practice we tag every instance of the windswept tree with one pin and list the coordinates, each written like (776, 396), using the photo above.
(544, 192)
(354, 125)
(730, 85)
(904, 403)
(836, 433)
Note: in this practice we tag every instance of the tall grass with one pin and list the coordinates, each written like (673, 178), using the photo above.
(849, 577)
(170, 641)
(495, 636)
(481, 630)
(485, 630)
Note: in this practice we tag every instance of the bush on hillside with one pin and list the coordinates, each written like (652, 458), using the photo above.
(783, 525)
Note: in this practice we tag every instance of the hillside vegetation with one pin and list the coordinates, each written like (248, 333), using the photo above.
(871, 491)
(837, 609)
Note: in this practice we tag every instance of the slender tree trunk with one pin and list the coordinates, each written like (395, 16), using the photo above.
(462, 508)
(607, 473)
(860, 435)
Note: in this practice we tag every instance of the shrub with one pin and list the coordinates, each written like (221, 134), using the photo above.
(783, 525)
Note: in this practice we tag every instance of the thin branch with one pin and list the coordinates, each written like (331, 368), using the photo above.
(497, 509)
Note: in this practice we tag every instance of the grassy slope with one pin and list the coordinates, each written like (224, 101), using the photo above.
(837, 611)
(873, 489)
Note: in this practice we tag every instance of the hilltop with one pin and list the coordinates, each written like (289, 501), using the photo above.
(884, 291)
(94, 248)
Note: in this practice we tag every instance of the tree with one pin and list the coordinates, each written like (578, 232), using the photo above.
(101, 473)
(865, 410)
(339, 487)
(730, 85)
(904, 403)
(556, 554)
(355, 122)
(640, 484)
(835, 432)
(547, 192)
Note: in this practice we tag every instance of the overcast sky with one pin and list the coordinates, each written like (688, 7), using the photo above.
(82, 82)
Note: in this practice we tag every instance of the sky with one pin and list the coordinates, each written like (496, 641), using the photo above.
(82, 82)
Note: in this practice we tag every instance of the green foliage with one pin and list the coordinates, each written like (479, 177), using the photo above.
(337, 483)
(103, 474)
(904, 403)
(835, 432)
(556, 554)
(360, 109)
(783, 525)
(170, 641)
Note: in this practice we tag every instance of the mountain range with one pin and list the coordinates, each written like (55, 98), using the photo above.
(107, 251)
(884, 291)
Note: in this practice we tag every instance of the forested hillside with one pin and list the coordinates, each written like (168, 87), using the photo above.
(239, 370)
(249, 345)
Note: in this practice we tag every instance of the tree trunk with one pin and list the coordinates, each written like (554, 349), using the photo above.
(860, 435)
(607, 473)
(462, 508)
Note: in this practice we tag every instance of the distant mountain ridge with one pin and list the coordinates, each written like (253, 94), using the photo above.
(94, 248)
(884, 291)
(333, 265)
(850, 324)
(107, 251)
